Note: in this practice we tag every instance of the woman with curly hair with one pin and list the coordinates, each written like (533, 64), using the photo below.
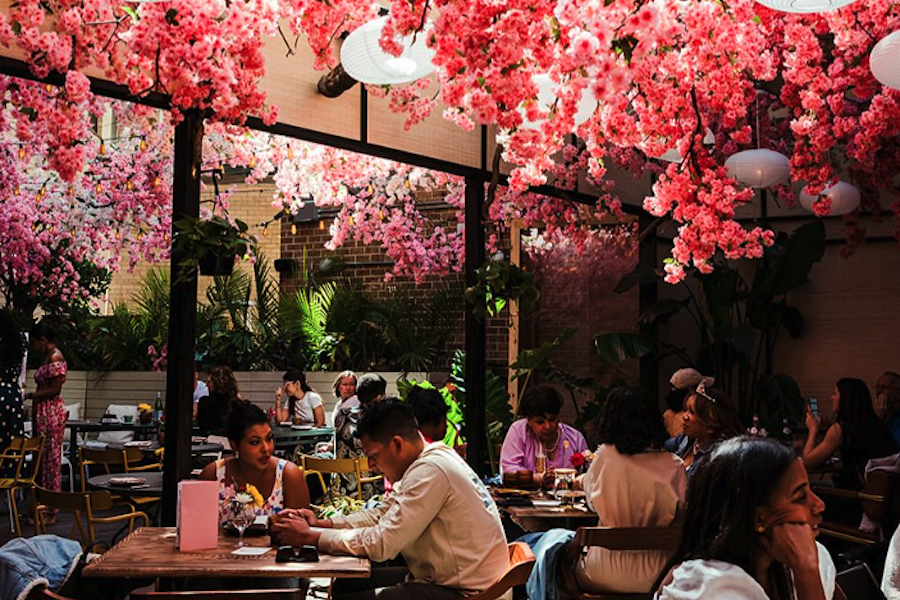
(632, 482)
(12, 350)
(212, 410)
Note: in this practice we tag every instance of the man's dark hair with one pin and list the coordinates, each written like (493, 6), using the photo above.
(539, 401)
(369, 387)
(383, 420)
(428, 406)
(630, 421)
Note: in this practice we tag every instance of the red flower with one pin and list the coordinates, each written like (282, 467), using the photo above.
(577, 460)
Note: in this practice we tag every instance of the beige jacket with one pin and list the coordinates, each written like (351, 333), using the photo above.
(440, 518)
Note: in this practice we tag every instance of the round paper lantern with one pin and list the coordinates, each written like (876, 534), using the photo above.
(759, 168)
(674, 156)
(365, 61)
(885, 61)
(805, 6)
(844, 198)
(546, 96)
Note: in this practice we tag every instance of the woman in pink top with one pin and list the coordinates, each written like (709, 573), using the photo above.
(540, 432)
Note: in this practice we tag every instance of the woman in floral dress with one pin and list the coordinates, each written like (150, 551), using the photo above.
(12, 349)
(48, 410)
(280, 482)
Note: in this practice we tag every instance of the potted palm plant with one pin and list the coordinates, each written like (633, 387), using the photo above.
(210, 244)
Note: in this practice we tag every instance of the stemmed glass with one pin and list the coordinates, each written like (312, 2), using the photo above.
(242, 517)
(540, 468)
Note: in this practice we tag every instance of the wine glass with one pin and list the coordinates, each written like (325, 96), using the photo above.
(540, 468)
(242, 517)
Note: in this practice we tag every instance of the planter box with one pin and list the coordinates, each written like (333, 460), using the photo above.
(95, 391)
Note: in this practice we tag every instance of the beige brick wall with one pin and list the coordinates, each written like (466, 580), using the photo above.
(251, 204)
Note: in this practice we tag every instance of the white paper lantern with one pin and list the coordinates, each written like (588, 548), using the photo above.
(365, 61)
(546, 96)
(844, 198)
(885, 60)
(759, 168)
(674, 156)
(805, 6)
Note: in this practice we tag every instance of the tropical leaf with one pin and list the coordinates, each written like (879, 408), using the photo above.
(615, 347)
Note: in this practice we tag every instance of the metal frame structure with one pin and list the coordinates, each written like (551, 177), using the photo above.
(183, 307)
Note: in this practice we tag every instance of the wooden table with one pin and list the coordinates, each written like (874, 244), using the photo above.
(533, 519)
(151, 552)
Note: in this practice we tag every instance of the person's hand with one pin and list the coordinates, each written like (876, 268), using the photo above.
(812, 423)
(278, 394)
(790, 542)
(881, 404)
(292, 530)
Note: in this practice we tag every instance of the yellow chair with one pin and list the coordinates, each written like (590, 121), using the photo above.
(345, 466)
(123, 461)
(17, 455)
(81, 503)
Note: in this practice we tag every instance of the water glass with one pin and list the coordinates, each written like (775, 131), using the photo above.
(564, 486)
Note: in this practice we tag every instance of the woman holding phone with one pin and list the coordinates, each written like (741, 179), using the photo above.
(856, 432)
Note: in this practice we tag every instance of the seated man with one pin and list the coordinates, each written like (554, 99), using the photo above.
(440, 517)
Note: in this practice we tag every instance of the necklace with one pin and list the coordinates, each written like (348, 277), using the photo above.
(549, 450)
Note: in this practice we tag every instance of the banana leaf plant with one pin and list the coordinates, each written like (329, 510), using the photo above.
(739, 316)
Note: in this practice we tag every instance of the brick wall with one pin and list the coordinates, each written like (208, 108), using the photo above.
(251, 204)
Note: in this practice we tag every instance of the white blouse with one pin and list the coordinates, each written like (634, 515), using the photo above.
(717, 580)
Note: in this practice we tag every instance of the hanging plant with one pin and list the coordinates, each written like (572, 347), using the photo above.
(497, 283)
(210, 244)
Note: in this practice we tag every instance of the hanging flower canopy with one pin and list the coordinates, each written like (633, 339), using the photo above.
(658, 74)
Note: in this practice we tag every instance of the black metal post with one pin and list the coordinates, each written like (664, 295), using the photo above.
(647, 296)
(476, 424)
(182, 319)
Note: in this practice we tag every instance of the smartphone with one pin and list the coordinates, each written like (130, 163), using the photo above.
(814, 406)
(302, 554)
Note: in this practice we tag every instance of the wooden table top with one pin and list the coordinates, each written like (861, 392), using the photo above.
(151, 552)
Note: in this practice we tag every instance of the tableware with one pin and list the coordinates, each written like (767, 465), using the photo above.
(297, 421)
(138, 444)
(511, 492)
(241, 517)
(250, 551)
(545, 503)
(511, 479)
(285, 423)
(540, 467)
(564, 486)
(301, 427)
(127, 481)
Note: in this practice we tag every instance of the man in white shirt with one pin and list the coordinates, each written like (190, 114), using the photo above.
(440, 517)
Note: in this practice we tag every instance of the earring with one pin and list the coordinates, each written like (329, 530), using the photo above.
(760, 529)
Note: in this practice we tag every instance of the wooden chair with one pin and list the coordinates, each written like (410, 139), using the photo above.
(346, 466)
(617, 539)
(16, 458)
(521, 562)
(81, 503)
(879, 500)
(278, 594)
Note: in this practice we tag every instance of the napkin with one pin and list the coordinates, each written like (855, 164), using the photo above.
(250, 551)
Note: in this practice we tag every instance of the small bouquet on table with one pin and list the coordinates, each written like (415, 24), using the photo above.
(241, 508)
(581, 461)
